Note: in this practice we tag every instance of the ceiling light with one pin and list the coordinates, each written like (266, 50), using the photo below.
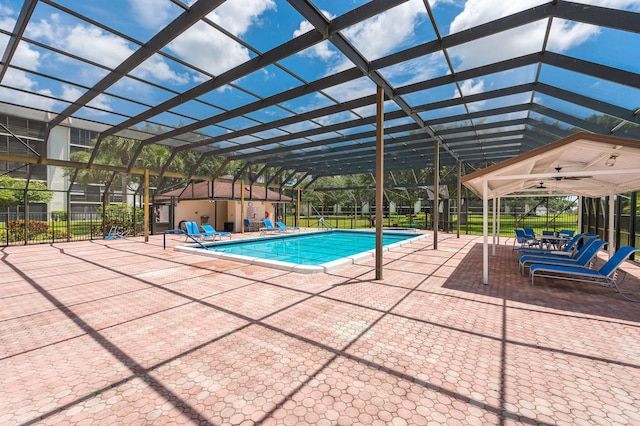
(611, 160)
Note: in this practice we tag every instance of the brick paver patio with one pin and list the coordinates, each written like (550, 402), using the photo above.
(124, 332)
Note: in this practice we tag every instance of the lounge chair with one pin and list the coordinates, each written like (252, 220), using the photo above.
(268, 227)
(582, 257)
(211, 231)
(192, 231)
(114, 234)
(605, 276)
(286, 228)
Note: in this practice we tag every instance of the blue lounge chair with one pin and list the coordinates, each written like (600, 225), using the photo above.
(114, 234)
(211, 231)
(582, 257)
(605, 276)
(286, 228)
(268, 227)
(192, 231)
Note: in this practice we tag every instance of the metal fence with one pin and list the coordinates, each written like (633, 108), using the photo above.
(43, 228)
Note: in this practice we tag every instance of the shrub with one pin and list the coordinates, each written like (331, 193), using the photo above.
(37, 229)
(59, 215)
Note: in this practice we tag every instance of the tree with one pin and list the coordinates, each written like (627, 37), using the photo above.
(12, 192)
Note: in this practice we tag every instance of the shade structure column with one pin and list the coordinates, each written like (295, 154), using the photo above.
(580, 201)
(493, 244)
(146, 205)
(379, 178)
(612, 219)
(485, 232)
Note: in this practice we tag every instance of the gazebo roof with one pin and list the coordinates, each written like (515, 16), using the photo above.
(581, 164)
(223, 191)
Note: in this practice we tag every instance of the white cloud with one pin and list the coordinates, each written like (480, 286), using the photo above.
(565, 34)
(101, 47)
(470, 87)
(320, 50)
(614, 4)
(237, 16)
(380, 35)
(71, 93)
(151, 13)
(374, 38)
(211, 50)
(526, 39)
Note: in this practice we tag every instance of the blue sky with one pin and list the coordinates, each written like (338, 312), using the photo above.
(265, 24)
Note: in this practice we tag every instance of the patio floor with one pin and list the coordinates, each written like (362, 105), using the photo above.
(124, 332)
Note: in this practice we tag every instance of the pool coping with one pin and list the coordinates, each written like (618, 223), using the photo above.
(296, 267)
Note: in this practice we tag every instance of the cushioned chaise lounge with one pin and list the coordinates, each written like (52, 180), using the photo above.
(605, 276)
(581, 258)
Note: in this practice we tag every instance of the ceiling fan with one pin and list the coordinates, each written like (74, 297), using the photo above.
(541, 186)
(557, 178)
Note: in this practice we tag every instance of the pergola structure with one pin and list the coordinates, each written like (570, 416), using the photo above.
(306, 86)
(583, 164)
(321, 123)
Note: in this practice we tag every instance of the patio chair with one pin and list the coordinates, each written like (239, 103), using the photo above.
(548, 242)
(524, 240)
(605, 276)
(529, 232)
(286, 228)
(567, 232)
(211, 231)
(268, 227)
(568, 250)
(248, 226)
(583, 257)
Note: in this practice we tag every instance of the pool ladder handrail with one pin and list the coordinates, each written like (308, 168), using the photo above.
(178, 231)
(323, 224)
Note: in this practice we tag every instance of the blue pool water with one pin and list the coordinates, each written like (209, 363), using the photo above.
(313, 248)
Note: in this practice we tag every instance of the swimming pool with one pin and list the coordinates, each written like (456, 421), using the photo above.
(309, 252)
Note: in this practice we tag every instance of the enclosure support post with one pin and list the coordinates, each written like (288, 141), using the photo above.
(436, 192)
(146, 205)
(242, 208)
(27, 213)
(632, 222)
(458, 201)
(379, 178)
(68, 192)
(298, 208)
